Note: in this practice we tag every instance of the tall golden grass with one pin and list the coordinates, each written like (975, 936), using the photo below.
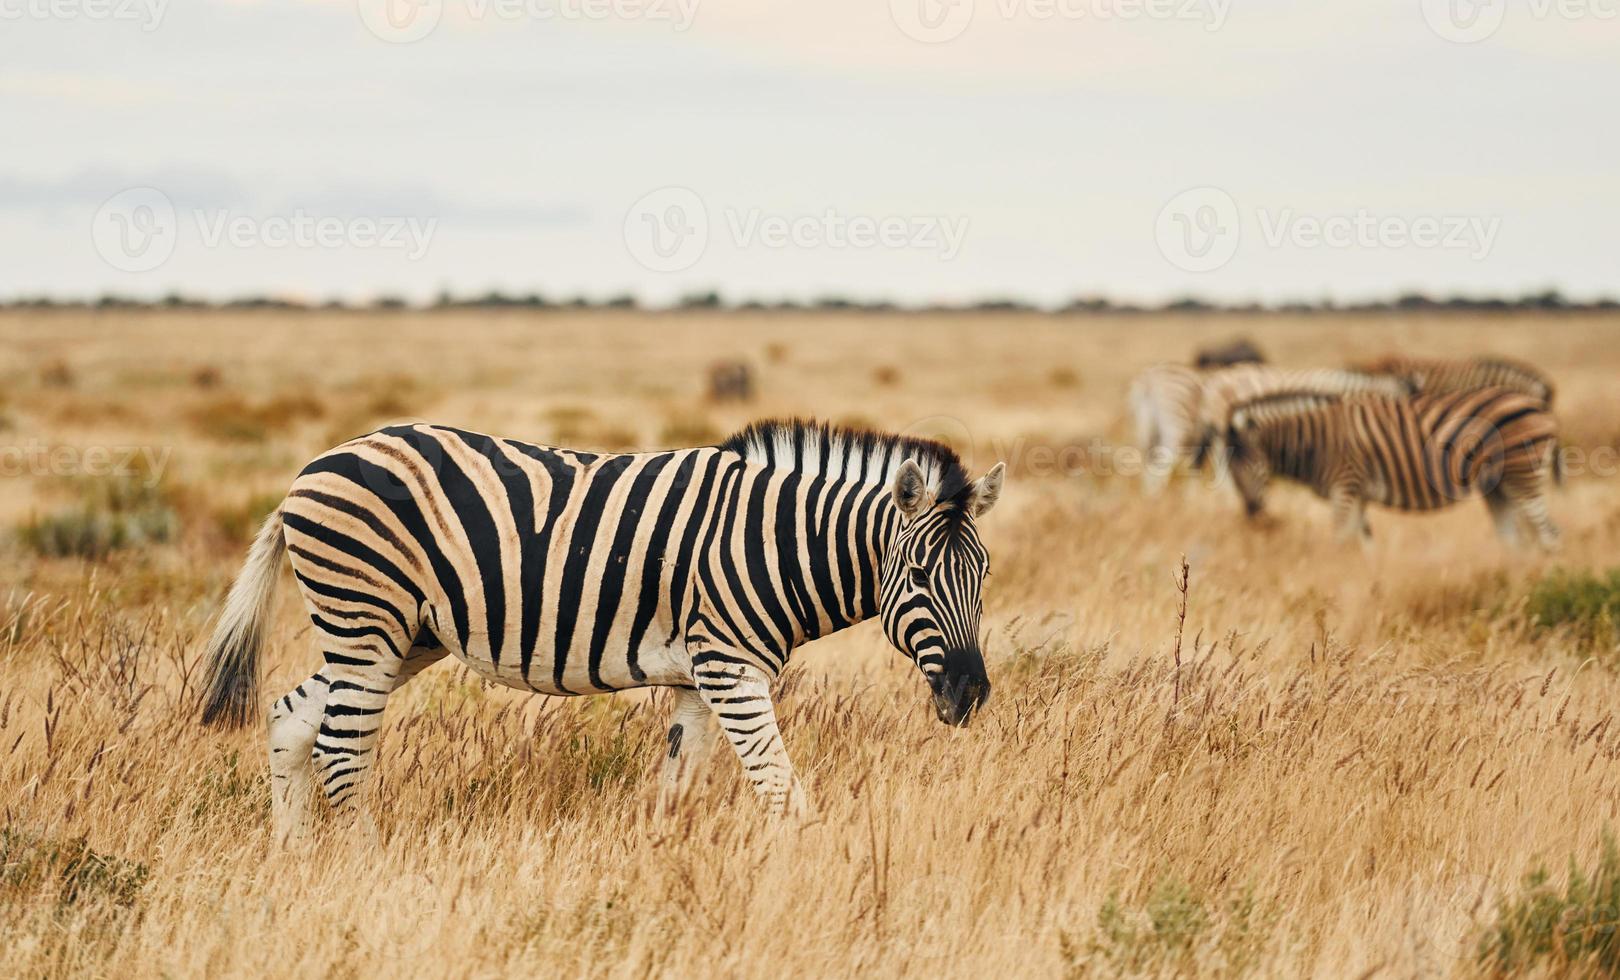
(1314, 762)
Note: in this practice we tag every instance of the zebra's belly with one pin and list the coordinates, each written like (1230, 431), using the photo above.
(660, 665)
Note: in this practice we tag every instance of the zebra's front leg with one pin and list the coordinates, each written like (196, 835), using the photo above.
(740, 698)
(1530, 498)
(691, 737)
(1505, 516)
(1350, 515)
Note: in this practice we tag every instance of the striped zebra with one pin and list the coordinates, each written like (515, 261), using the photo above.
(1435, 376)
(1179, 411)
(1416, 454)
(564, 572)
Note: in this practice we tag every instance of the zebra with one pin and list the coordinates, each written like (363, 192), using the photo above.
(564, 572)
(1179, 412)
(1436, 376)
(1165, 400)
(1420, 453)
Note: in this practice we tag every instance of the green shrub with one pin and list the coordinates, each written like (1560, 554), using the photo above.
(1572, 929)
(1172, 927)
(111, 513)
(1586, 604)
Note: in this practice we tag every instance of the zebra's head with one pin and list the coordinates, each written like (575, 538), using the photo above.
(931, 586)
(1246, 461)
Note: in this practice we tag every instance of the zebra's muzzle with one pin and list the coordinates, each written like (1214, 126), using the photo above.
(961, 688)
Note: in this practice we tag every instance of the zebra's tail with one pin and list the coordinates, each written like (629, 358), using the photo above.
(1558, 464)
(231, 699)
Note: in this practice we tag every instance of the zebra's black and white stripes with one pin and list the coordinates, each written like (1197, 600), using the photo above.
(565, 572)
(1420, 453)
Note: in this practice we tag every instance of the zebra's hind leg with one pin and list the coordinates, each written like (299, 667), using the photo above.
(294, 721)
(740, 697)
(362, 676)
(1505, 516)
(691, 737)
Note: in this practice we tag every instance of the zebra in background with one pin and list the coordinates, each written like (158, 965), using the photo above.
(1435, 376)
(1165, 400)
(1416, 454)
(1179, 411)
(563, 572)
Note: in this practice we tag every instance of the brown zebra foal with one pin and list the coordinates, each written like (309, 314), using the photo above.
(1417, 454)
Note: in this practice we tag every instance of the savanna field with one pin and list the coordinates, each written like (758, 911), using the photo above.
(1394, 762)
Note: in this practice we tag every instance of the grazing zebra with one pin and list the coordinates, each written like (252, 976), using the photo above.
(1420, 453)
(1179, 411)
(564, 572)
(1433, 376)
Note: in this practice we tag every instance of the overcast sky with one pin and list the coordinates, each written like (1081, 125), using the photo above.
(919, 150)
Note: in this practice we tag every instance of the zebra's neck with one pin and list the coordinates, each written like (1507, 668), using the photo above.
(849, 530)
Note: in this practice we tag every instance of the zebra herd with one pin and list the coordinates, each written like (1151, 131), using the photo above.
(563, 572)
(1405, 433)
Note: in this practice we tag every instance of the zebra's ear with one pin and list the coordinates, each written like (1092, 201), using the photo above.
(987, 491)
(911, 493)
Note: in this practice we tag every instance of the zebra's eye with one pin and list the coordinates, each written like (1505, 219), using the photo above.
(919, 578)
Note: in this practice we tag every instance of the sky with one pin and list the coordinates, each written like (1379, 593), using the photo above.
(918, 151)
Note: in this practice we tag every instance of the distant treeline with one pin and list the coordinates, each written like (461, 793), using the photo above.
(1550, 300)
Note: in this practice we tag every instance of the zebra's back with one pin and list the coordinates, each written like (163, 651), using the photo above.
(1432, 450)
(1445, 376)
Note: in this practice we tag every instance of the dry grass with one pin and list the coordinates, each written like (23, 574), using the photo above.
(1358, 760)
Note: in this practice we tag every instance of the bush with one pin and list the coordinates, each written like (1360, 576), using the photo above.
(113, 513)
(1175, 929)
(1586, 604)
(1572, 930)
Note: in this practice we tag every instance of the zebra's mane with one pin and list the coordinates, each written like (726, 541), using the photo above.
(839, 452)
(1520, 368)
